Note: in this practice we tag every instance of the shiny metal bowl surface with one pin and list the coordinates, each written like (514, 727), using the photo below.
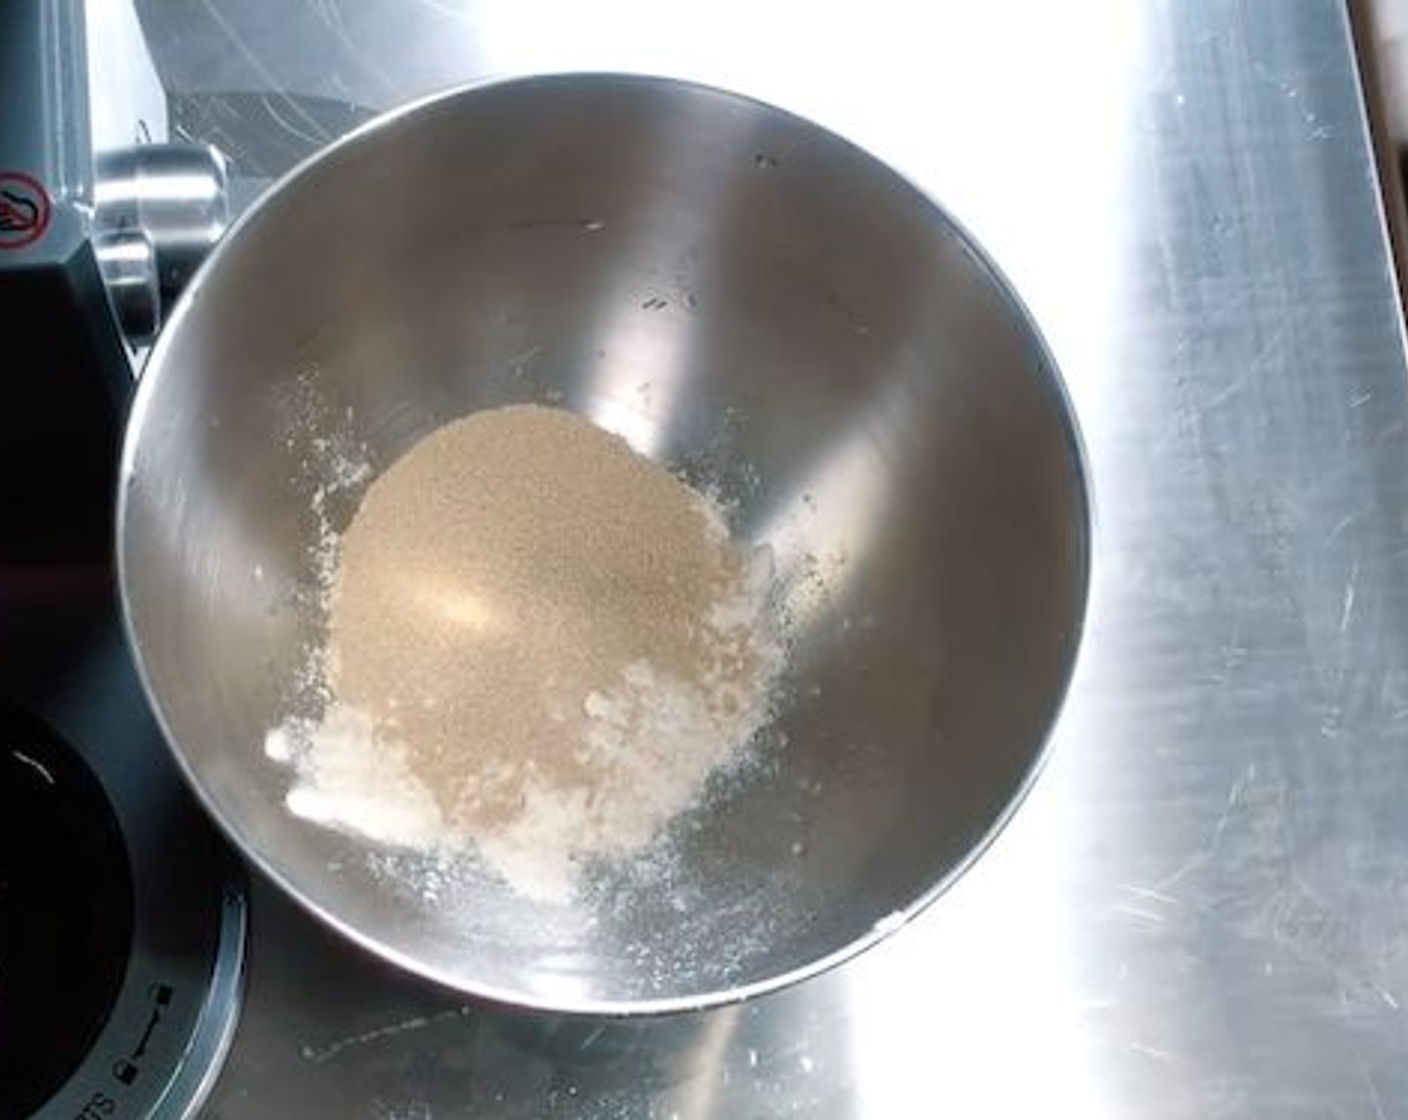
(816, 340)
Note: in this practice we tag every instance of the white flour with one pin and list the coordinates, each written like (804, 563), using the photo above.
(540, 648)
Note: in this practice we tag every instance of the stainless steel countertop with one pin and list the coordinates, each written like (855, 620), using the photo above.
(1202, 910)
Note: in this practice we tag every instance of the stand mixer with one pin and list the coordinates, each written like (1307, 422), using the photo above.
(122, 916)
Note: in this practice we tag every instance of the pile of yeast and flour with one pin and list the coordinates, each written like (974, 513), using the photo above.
(540, 645)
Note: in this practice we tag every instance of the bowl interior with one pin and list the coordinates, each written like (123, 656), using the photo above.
(748, 299)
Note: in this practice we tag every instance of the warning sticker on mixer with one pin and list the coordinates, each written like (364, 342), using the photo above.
(24, 210)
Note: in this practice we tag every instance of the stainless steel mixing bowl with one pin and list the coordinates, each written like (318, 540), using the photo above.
(749, 299)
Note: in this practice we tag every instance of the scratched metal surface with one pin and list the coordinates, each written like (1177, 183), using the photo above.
(1202, 911)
